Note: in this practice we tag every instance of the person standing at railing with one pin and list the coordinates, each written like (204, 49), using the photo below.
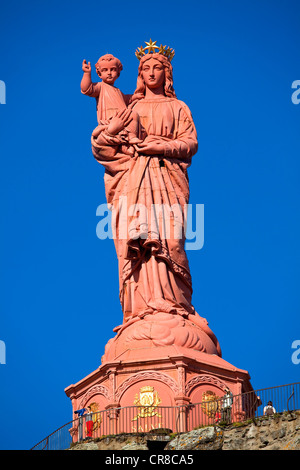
(226, 406)
(269, 410)
(89, 423)
(80, 414)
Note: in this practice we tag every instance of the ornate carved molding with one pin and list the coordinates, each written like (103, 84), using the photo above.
(199, 379)
(147, 375)
(96, 390)
(181, 378)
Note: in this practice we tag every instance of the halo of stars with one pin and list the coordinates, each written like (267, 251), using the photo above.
(151, 47)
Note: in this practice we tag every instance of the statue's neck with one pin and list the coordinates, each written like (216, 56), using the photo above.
(154, 93)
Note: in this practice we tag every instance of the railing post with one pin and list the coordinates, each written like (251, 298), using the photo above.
(74, 432)
(292, 395)
(113, 413)
(182, 403)
(238, 414)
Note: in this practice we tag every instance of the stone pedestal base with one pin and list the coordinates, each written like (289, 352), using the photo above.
(155, 364)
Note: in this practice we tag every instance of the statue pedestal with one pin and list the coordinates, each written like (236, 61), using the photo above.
(155, 364)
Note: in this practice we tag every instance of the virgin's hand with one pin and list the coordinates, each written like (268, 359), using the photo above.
(115, 126)
(151, 148)
(121, 120)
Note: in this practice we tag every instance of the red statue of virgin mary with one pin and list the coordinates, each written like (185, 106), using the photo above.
(150, 174)
(163, 348)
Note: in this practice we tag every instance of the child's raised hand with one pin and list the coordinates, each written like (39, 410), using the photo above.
(86, 67)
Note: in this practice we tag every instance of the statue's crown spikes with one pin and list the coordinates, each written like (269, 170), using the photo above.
(151, 47)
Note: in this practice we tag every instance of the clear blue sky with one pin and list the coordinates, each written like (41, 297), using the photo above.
(234, 66)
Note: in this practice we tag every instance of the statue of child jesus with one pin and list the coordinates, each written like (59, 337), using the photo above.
(111, 102)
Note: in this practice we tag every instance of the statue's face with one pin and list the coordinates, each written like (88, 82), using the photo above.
(109, 71)
(153, 73)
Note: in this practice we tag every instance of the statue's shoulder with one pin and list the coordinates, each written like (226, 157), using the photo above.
(184, 107)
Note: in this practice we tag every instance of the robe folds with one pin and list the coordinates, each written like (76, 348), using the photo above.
(148, 196)
(109, 100)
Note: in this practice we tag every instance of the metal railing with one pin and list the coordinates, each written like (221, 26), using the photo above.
(176, 419)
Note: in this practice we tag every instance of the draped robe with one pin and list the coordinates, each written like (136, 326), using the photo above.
(109, 99)
(154, 273)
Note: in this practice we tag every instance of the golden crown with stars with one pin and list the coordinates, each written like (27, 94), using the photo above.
(151, 47)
